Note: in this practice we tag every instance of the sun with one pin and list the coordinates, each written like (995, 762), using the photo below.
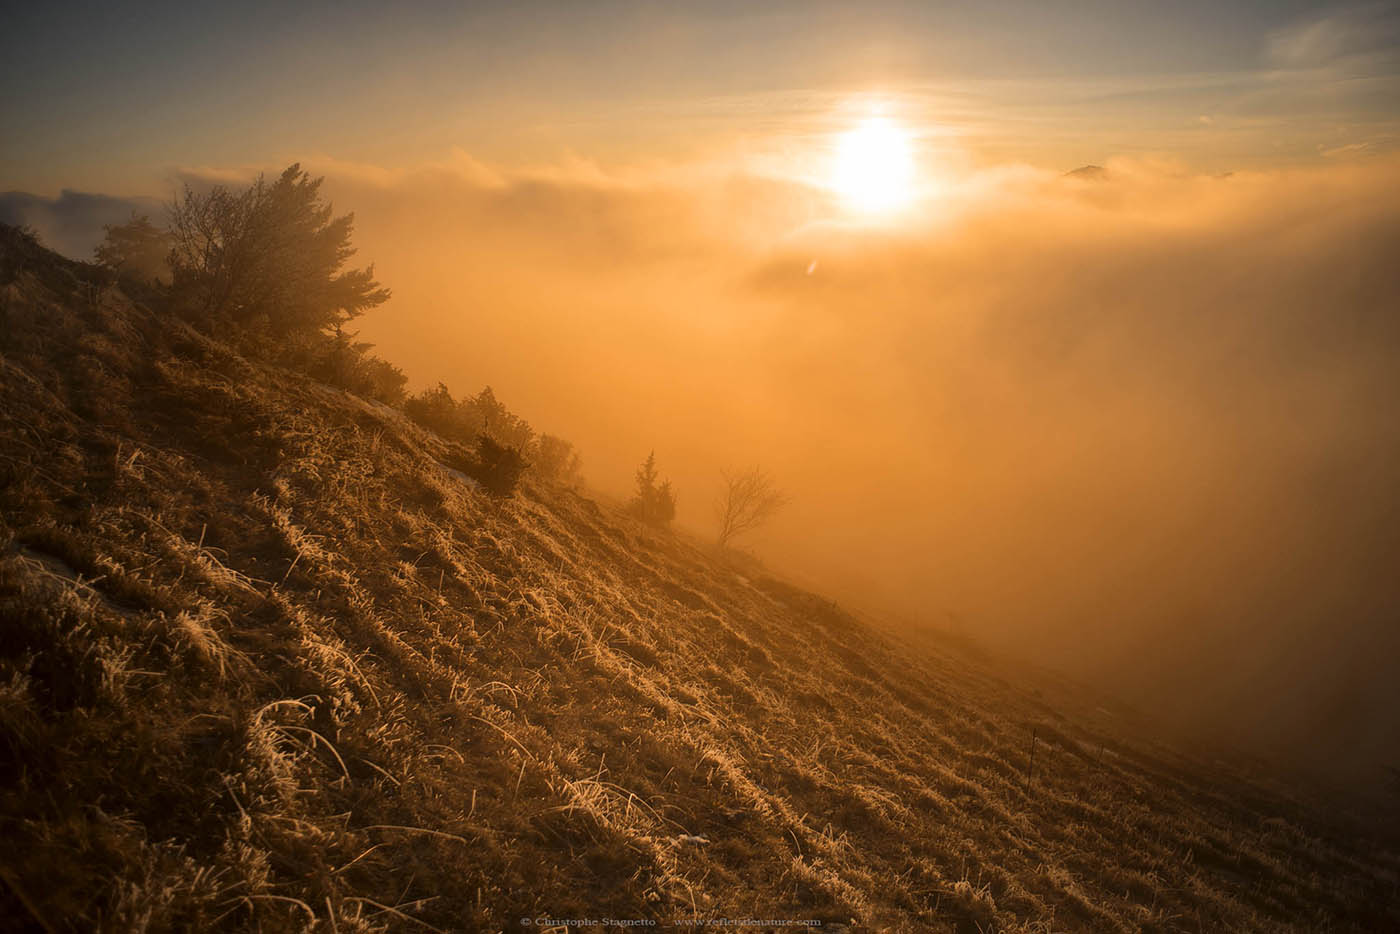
(874, 167)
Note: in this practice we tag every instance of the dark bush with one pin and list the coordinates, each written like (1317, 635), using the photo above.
(499, 466)
(348, 364)
(435, 409)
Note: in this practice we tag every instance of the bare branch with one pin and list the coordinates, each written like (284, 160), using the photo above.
(748, 500)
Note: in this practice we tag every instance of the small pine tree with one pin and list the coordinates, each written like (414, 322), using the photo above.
(654, 503)
(665, 509)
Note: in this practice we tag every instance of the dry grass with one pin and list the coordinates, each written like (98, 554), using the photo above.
(266, 666)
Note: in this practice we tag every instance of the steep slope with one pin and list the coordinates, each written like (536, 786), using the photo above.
(267, 663)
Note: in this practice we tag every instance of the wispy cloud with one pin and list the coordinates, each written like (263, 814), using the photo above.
(1359, 40)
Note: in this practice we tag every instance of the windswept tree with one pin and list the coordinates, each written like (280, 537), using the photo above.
(654, 502)
(747, 500)
(137, 249)
(270, 259)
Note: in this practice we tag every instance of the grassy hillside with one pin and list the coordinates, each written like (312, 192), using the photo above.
(268, 662)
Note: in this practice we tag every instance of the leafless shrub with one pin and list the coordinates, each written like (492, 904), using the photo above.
(748, 500)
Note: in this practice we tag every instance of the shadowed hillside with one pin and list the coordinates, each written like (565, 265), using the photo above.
(269, 662)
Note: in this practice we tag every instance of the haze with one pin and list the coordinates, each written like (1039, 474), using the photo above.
(1135, 423)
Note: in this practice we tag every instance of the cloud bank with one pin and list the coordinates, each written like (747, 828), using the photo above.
(72, 222)
(1138, 426)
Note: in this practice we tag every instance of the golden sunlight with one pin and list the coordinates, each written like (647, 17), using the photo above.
(874, 166)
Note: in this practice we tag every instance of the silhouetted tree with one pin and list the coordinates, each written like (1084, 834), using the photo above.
(654, 503)
(137, 249)
(270, 259)
(748, 500)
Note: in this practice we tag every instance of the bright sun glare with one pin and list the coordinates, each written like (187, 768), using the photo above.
(874, 166)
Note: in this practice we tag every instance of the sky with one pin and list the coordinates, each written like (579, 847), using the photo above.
(112, 97)
(1136, 424)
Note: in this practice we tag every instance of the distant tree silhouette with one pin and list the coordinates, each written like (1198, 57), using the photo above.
(654, 503)
(137, 249)
(748, 499)
(270, 259)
